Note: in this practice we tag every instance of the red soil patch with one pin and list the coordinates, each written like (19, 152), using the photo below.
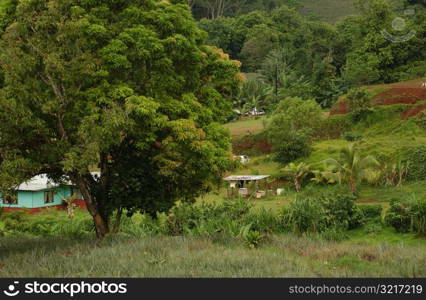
(339, 109)
(408, 92)
(400, 96)
(251, 143)
(413, 111)
(80, 204)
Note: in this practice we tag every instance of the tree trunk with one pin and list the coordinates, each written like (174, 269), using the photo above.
(101, 223)
(297, 185)
(101, 226)
(352, 186)
(117, 220)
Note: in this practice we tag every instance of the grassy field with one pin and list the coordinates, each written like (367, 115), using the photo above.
(367, 195)
(246, 126)
(281, 256)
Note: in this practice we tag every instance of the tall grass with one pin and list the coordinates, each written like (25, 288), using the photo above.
(161, 256)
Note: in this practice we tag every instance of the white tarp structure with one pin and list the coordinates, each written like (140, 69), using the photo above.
(246, 177)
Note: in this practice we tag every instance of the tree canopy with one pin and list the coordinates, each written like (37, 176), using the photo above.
(123, 87)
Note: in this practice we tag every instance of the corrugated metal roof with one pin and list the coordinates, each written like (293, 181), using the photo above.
(42, 182)
(37, 183)
(246, 177)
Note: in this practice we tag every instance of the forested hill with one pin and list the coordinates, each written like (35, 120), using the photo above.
(294, 55)
(324, 10)
(328, 10)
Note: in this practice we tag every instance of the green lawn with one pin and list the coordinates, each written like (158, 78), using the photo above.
(246, 126)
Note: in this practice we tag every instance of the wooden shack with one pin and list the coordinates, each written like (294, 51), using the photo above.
(247, 186)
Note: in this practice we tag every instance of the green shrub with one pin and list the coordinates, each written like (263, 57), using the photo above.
(251, 238)
(421, 120)
(371, 211)
(208, 219)
(47, 223)
(292, 146)
(398, 216)
(416, 157)
(16, 222)
(351, 137)
(322, 212)
(263, 221)
(418, 216)
(373, 228)
(407, 215)
(341, 211)
(359, 103)
(305, 214)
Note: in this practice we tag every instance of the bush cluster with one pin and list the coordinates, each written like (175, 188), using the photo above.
(416, 156)
(49, 223)
(327, 215)
(407, 216)
(371, 211)
(232, 218)
(322, 213)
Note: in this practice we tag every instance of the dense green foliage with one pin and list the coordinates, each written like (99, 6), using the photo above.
(416, 157)
(127, 86)
(308, 212)
(408, 215)
(371, 211)
(322, 212)
(351, 168)
(292, 127)
(289, 51)
(359, 101)
(49, 223)
(298, 56)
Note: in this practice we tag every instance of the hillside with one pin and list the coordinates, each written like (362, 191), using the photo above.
(328, 10)
(410, 92)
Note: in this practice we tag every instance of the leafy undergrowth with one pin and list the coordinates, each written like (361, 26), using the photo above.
(281, 256)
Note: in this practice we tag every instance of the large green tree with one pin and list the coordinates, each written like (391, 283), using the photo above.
(292, 128)
(125, 87)
(386, 44)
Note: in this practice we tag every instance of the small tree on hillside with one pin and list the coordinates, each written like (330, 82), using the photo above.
(359, 101)
(292, 127)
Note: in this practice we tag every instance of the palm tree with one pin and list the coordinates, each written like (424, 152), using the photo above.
(253, 95)
(351, 168)
(297, 173)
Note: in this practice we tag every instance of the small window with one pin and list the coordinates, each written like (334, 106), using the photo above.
(49, 197)
(10, 199)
